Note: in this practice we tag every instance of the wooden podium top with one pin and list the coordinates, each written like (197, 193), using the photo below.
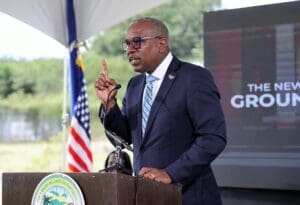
(97, 189)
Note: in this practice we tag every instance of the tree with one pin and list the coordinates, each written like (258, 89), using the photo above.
(28, 88)
(183, 18)
(6, 82)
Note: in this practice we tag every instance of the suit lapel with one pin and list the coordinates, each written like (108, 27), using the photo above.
(167, 83)
(139, 91)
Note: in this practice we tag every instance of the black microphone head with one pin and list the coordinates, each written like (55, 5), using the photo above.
(118, 86)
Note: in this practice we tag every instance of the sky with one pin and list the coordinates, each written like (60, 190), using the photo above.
(18, 40)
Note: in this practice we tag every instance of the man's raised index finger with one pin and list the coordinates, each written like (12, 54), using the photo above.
(104, 68)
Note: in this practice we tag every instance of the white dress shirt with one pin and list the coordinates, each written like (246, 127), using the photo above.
(160, 73)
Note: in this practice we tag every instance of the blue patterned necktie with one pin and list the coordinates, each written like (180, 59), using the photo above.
(147, 101)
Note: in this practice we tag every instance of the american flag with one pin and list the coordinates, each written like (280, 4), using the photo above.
(79, 155)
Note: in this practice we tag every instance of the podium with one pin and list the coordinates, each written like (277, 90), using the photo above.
(97, 189)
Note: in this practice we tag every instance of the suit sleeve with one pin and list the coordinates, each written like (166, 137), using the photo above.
(116, 121)
(205, 112)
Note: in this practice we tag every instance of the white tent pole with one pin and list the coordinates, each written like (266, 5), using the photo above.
(65, 116)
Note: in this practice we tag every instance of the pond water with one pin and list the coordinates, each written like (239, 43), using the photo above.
(26, 126)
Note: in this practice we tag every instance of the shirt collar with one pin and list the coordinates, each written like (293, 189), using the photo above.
(161, 70)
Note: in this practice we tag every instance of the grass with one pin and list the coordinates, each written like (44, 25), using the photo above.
(44, 156)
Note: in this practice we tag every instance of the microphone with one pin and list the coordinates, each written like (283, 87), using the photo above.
(117, 139)
(118, 86)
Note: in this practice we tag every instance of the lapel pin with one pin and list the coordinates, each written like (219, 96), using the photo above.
(171, 77)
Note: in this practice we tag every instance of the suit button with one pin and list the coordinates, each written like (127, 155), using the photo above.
(142, 149)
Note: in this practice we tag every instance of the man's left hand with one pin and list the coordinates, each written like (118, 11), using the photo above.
(159, 175)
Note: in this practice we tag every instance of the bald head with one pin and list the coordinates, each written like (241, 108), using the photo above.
(148, 44)
(159, 28)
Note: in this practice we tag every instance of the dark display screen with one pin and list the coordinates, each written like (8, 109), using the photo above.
(254, 55)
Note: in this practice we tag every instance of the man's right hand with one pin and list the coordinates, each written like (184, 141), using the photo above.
(103, 86)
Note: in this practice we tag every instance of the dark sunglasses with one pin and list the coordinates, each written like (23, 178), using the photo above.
(136, 42)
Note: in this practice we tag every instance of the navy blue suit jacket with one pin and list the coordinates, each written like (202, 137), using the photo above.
(185, 131)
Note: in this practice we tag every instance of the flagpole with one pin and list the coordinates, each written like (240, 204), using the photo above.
(65, 115)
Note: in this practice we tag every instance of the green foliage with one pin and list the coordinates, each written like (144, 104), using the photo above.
(44, 74)
(110, 41)
(47, 77)
(42, 77)
(28, 88)
(6, 81)
(45, 104)
(184, 20)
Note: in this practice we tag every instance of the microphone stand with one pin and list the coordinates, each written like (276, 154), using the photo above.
(118, 166)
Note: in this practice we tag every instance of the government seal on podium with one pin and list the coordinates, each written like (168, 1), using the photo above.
(57, 188)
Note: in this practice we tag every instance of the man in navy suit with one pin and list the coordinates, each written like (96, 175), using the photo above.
(182, 130)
